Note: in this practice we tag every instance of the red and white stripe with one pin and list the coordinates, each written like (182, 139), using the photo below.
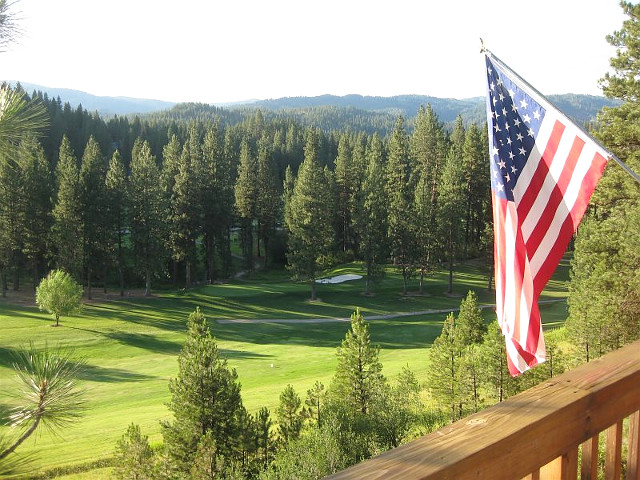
(533, 231)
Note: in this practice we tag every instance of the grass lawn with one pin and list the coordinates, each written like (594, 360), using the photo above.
(131, 346)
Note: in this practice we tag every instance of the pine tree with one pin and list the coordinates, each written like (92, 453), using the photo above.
(476, 189)
(12, 218)
(470, 324)
(205, 397)
(116, 184)
(444, 368)
(37, 190)
(450, 210)
(185, 207)
(371, 222)
(358, 376)
(606, 250)
(428, 150)
(290, 415)
(147, 211)
(217, 201)
(399, 193)
(92, 187)
(246, 196)
(309, 220)
(67, 227)
(268, 205)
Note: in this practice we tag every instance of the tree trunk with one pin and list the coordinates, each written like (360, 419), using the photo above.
(313, 289)
(89, 283)
(187, 273)
(147, 283)
(24, 436)
(450, 290)
(210, 259)
(421, 287)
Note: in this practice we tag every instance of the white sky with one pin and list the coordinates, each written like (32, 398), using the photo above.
(230, 50)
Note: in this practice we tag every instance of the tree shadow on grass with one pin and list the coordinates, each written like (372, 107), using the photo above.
(146, 342)
(7, 356)
(107, 375)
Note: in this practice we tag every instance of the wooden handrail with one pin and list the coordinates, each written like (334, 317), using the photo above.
(535, 434)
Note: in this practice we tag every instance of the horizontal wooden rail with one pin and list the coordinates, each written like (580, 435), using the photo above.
(534, 434)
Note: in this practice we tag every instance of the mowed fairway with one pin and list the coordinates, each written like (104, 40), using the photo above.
(131, 345)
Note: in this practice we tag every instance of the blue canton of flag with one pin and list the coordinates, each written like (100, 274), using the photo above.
(515, 122)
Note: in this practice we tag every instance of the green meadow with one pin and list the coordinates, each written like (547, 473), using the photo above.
(131, 345)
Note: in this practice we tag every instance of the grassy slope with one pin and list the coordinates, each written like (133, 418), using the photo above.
(131, 346)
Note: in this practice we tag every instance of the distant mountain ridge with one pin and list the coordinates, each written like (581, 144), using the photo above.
(582, 108)
(104, 105)
(325, 111)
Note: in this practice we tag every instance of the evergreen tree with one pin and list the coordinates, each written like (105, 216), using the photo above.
(290, 415)
(399, 193)
(185, 207)
(444, 368)
(205, 398)
(371, 221)
(217, 202)
(134, 456)
(268, 205)
(428, 150)
(67, 215)
(116, 184)
(314, 403)
(246, 195)
(476, 189)
(470, 324)
(93, 201)
(36, 190)
(606, 250)
(147, 210)
(345, 183)
(358, 377)
(12, 218)
(309, 220)
(450, 210)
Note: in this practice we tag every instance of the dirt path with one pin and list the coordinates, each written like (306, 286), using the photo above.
(347, 319)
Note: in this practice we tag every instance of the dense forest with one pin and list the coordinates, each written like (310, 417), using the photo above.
(127, 201)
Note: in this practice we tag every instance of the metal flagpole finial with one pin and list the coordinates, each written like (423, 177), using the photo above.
(482, 49)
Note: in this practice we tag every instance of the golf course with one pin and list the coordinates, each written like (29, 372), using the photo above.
(265, 326)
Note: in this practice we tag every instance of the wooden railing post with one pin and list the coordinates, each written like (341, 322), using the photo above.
(613, 456)
(633, 455)
(589, 468)
(562, 468)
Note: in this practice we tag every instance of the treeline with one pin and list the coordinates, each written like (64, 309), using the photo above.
(125, 202)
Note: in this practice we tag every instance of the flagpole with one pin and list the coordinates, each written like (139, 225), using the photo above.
(624, 166)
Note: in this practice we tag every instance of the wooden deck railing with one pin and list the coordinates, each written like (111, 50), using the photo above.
(538, 434)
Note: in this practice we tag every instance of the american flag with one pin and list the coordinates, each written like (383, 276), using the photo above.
(543, 171)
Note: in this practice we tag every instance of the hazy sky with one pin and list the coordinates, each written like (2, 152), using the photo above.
(230, 50)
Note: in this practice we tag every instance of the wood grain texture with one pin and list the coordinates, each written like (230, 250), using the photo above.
(519, 436)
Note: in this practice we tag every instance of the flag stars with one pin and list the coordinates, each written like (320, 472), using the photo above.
(494, 151)
(502, 164)
(523, 104)
(519, 137)
(513, 169)
(526, 118)
(516, 122)
(530, 133)
(536, 114)
(522, 151)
